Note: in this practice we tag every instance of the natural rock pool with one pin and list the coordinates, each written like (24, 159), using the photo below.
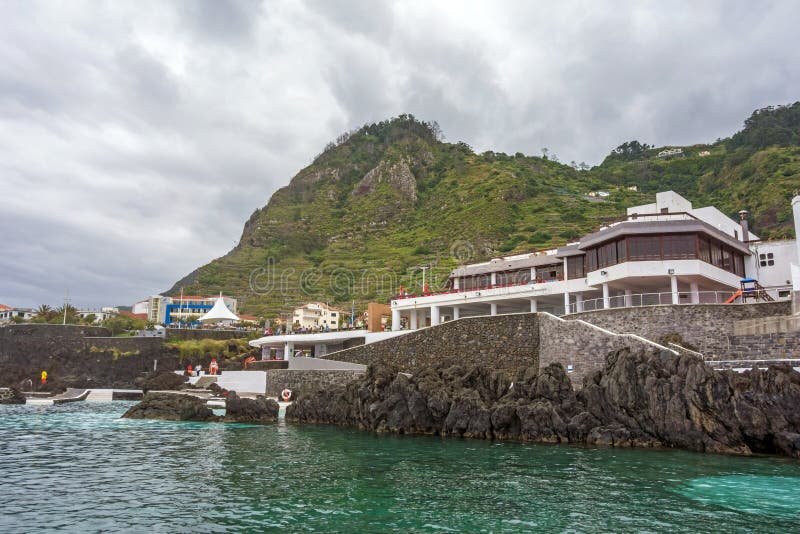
(79, 467)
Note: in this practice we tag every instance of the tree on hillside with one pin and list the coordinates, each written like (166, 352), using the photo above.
(773, 125)
(629, 151)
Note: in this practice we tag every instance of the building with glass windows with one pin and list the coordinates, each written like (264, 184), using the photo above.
(667, 252)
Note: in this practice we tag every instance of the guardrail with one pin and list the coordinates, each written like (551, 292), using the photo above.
(666, 297)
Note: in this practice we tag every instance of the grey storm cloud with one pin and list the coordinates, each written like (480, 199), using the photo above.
(136, 137)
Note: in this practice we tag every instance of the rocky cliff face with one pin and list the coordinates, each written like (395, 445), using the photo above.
(638, 399)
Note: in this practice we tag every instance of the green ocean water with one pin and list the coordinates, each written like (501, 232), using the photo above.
(79, 468)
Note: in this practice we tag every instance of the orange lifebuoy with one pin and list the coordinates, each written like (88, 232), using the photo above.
(286, 395)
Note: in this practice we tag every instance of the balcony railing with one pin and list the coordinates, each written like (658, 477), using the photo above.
(655, 299)
(480, 288)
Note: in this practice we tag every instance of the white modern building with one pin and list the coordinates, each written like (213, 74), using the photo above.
(667, 252)
(7, 313)
(316, 316)
(168, 310)
(99, 315)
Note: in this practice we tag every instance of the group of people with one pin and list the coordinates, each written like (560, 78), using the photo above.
(197, 370)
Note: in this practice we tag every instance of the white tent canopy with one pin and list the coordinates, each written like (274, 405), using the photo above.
(219, 312)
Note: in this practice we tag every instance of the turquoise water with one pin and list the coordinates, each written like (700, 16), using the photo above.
(79, 468)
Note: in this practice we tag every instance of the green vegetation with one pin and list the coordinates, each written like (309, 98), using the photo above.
(199, 348)
(334, 236)
(115, 352)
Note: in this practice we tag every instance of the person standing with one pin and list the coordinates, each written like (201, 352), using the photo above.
(44, 377)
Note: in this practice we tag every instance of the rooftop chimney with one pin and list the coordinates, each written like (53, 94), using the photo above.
(743, 221)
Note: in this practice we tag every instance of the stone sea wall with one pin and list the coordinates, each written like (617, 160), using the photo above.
(581, 347)
(501, 342)
(72, 359)
(297, 380)
(708, 327)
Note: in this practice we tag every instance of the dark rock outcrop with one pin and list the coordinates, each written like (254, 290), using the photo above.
(244, 410)
(11, 396)
(171, 407)
(163, 381)
(638, 400)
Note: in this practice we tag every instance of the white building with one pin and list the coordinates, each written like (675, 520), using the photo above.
(7, 313)
(168, 310)
(666, 252)
(316, 316)
(670, 153)
(99, 315)
(143, 306)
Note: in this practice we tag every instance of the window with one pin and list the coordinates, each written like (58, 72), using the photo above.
(704, 249)
(727, 259)
(549, 272)
(591, 260)
(513, 277)
(575, 267)
(607, 254)
(716, 254)
(738, 264)
(523, 276)
(766, 260)
(644, 248)
(678, 247)
(622, 250)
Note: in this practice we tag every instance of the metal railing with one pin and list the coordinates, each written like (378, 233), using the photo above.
(666, 297)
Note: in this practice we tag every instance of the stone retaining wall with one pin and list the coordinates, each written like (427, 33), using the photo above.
(73, 360)
(501, 341)
(707, 327)
(581, 347)
(505, 342)
(780, 345)
(298, 380)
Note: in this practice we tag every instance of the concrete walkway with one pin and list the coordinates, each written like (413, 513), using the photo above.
(71, 395)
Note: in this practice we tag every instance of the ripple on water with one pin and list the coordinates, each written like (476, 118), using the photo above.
(78, 467)
(774, 495)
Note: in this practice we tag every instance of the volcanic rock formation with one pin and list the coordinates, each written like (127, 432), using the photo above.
(638, 399)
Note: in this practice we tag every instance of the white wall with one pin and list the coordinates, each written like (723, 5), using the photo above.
(784, 253)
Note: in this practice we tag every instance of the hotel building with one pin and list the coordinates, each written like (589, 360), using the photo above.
(667, 252)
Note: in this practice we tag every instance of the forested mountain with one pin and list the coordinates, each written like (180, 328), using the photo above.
(384, 200)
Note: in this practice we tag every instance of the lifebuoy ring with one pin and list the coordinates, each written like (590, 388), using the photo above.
(286, 395)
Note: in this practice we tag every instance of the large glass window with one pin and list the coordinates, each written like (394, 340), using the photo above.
(550, 272)
(591, 260)
(677, 247)
(644, 248)
(716, 254)
(622, 250)
(522, 276)
(575, 267)
(704, 250)
(607, 254)
(727, 259)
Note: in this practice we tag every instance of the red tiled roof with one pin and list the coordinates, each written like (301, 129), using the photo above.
(4, 307)
(134, 315)
(248, 317)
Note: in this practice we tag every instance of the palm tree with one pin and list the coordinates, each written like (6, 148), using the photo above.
(67, 311)
(44, 311)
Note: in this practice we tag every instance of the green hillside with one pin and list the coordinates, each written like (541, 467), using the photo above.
(390, 197)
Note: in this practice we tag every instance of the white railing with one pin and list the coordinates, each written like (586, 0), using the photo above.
(655, 299)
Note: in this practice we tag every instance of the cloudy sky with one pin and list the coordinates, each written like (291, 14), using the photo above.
(136, 137)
